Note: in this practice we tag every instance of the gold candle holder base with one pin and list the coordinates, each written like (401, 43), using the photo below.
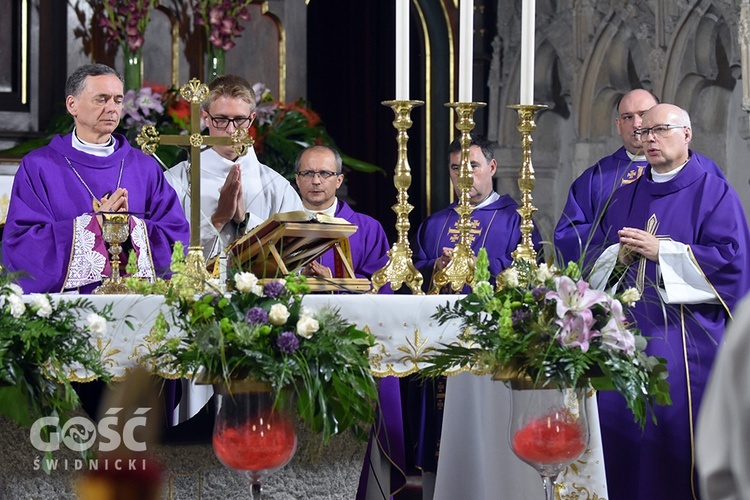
(112, 287)
(195, 277)
(460, 270)
(400, 267)
(526, 180)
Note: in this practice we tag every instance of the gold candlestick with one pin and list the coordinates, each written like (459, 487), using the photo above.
(526, 125)
(400, 268)
(460, 269)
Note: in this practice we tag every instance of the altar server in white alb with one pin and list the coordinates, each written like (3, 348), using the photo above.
(237, 193)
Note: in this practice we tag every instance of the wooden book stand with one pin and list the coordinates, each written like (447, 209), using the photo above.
(287, 242)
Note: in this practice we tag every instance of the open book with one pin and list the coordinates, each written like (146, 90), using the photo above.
(287, 242)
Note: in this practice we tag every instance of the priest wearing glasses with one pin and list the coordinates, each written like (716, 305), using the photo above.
(317, 170)
(52, 233)
(237, 192)
(679, 235)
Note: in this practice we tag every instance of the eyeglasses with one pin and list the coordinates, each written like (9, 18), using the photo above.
(658, 130)
(223, 122)
(310, 174)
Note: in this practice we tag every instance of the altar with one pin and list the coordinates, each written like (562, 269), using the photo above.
(475, 462)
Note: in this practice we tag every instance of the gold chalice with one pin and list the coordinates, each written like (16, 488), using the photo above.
(115, 231)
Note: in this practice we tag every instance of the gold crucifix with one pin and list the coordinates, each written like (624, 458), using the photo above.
(149, 140)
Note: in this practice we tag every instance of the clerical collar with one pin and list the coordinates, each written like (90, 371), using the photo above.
(331, 211)
(659, 178)
(640, 157)
(93, 149)
(492, 198)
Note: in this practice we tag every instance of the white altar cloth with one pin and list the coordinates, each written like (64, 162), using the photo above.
(475, 458)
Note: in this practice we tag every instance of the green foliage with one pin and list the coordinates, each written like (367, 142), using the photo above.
(548, 325)
(39, 343)
(264, 333)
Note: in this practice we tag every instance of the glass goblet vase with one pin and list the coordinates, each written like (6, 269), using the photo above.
(548, 428)
(254, 430)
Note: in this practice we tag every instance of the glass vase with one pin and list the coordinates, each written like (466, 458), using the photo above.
(548, 428)
(216, 57)
(254, 432)
(133, 73)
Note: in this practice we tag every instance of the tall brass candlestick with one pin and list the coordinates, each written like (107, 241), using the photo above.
(400, 268)
(526, 125)
(460, 269)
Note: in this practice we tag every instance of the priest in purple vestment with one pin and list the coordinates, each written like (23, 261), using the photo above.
(496, 227)
(495, 222)
(318, 174)
(680, 235)
(591, 192)
(53, 232)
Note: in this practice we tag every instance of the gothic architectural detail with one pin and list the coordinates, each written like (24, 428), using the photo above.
(693, 53)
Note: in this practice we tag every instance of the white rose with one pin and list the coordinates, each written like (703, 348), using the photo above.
(544, 272)
(510, 277)
(630, 296)
(15, 289)
(245, 282)
(42, 303)
(257, 289)
(278, 314)
(17, 307)
(306, 326)
(97, 325)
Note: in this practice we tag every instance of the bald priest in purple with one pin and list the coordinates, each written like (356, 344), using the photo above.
(52, 231)
(592, 190)
(679, 234)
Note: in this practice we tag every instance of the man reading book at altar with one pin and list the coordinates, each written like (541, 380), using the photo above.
(237, 192)
(317, 170)
(53, 232)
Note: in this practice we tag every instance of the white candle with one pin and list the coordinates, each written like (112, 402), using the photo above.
(402, 50)
(527, 51)
(465, 50)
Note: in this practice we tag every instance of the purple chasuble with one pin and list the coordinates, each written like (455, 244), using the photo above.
(368, 246)
(702, 211)
(588, 198)
(495, 227)
(48, 197)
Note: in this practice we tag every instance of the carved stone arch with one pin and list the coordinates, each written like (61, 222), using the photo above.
(554, 67)
(699, 77)
(615, 65)
(698, 56)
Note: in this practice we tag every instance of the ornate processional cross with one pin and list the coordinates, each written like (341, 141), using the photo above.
(149, 140)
